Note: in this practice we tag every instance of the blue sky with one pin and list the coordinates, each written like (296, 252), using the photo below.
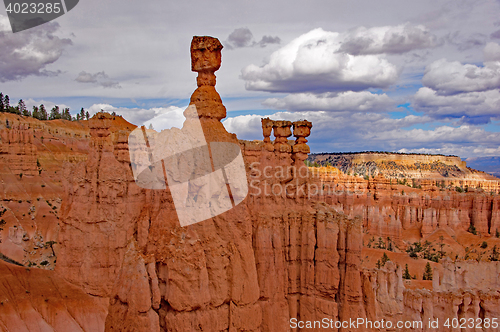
(408, 76)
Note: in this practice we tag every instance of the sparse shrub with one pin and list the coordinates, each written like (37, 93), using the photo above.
(44, 263)
(472, 229)
(380, 244)
(406, 273)
(495, 255)
(385, 259)
(484, 245)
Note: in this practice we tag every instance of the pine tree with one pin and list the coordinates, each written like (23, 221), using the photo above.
(6, 103)
(1, 103)
(43, 113)
(406, 273)
(87, 115)
(35, 114)
(66, 115)
(428, 272)
(82, 114)
(54, 113)
(21, 107)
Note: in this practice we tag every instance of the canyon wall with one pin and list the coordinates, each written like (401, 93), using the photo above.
(291, 251)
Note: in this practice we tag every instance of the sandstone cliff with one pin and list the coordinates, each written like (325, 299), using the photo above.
(298, 247)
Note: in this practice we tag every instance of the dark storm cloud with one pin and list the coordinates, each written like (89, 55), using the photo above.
(28, 52)
(100, 78)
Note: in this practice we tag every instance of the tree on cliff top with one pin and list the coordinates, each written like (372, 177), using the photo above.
(21, 108)
(55, 113)
(42, 113)
(6, 103)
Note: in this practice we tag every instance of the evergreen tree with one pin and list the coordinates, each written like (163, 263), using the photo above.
(406, 273)
(35, 114)
(82, 114)
(428, 272)
(21, 107)
(87, 115)
(77, 116)
(43, 113)
(66, 115)
(1, 103)
(6, 103)
(55, 113)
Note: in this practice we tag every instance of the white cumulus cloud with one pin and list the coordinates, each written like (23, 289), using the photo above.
(313, 62)
(389, 39)
(471, 104)
(453, 77)
(362, 101)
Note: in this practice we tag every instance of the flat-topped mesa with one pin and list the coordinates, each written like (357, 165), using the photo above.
(206, 60)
